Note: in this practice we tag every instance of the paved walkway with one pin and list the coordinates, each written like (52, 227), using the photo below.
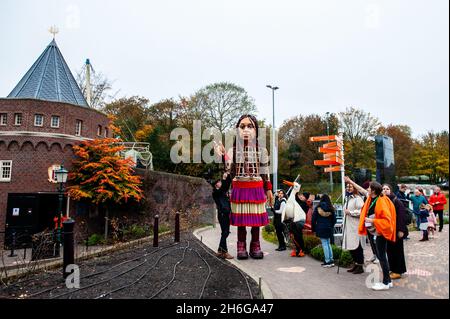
(298, 278)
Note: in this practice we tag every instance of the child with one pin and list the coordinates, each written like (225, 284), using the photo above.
(423, 218)
(323, 221)
(431, 220)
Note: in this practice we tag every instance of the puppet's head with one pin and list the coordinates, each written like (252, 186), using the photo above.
(247, 127)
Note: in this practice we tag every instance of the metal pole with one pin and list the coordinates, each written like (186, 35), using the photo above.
(341, 138)
(342, 241)
(68, 254)
(177, 227)
(274, 151)
(155, 231)
(61, 197)
(328, 134)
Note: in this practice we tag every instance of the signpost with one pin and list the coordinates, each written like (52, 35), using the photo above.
(333, 156)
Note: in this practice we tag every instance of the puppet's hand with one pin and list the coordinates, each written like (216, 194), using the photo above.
(219, 149)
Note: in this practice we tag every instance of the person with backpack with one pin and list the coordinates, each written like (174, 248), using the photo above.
(395, 250)
(323, 221)
(423, 218)
(418, 199)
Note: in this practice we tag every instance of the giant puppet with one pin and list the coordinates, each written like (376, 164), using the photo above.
(248, 164)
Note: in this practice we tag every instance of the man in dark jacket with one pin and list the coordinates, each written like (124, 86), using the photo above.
(401, 194)
(220, 196)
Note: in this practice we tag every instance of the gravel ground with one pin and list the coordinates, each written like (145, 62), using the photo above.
(172, 271)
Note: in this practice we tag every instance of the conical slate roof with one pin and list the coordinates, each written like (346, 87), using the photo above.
(49, 78)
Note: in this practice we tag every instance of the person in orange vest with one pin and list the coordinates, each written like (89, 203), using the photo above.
(378, 217)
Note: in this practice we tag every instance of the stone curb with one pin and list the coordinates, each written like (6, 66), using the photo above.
(265, 289)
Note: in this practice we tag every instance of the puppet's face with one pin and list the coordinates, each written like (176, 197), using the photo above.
(247, 129)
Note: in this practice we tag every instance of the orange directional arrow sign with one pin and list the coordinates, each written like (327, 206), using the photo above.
(335, 159)
(332, 169)
(330, 156)
(323, 138)
(332, 144)
(325, 162)
(329, 149)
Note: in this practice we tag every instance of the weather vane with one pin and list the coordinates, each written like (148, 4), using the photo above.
(53, 30)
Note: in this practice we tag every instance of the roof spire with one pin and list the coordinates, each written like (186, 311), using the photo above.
(53, 30)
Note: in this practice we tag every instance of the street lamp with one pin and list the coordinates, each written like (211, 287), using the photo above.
(274, 150)
(328, 134)
(61, 178)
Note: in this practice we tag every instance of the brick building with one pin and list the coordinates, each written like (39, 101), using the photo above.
(42, 118)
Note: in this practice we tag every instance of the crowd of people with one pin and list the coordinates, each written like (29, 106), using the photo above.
(372, 212)
(373, 215)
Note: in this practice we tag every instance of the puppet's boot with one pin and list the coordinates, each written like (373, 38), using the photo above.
(255, 250)
(241, 250)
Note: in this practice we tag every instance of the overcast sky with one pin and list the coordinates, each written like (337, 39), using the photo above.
(390, 58)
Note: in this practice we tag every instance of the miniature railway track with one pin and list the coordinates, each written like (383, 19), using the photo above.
(105, 271)
(174, 273)
(131, 277)
(231, 266)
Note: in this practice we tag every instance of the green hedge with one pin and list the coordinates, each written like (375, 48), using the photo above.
(346, 258)
(269, 228)
(95, 239)
(134, 232)
(311, 242)
(271, 237)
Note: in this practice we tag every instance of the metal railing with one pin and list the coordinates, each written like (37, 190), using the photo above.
(139, 152)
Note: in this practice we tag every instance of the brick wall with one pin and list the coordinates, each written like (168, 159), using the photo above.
(68, 114)
(32, 155)
(165, 193)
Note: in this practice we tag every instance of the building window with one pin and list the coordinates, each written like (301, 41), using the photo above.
(38, 120)
(3, 118)
(55, 121)
(78, 127)
(106, 132)
(18, 119)
(5, 171)
(99, 130)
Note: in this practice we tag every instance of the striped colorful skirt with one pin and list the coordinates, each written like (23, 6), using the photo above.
(248, 207)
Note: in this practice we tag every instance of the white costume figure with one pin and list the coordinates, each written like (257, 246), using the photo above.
(293, 210)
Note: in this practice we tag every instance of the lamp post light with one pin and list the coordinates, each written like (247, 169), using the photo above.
(274, 150)
(61, 178)
(328, 134)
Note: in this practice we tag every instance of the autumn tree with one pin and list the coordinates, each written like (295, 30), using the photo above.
(101, 176)
(222, 104)
(296, 152)
(403, 146)
(130, 115)
(431, 156)
(360, 128)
